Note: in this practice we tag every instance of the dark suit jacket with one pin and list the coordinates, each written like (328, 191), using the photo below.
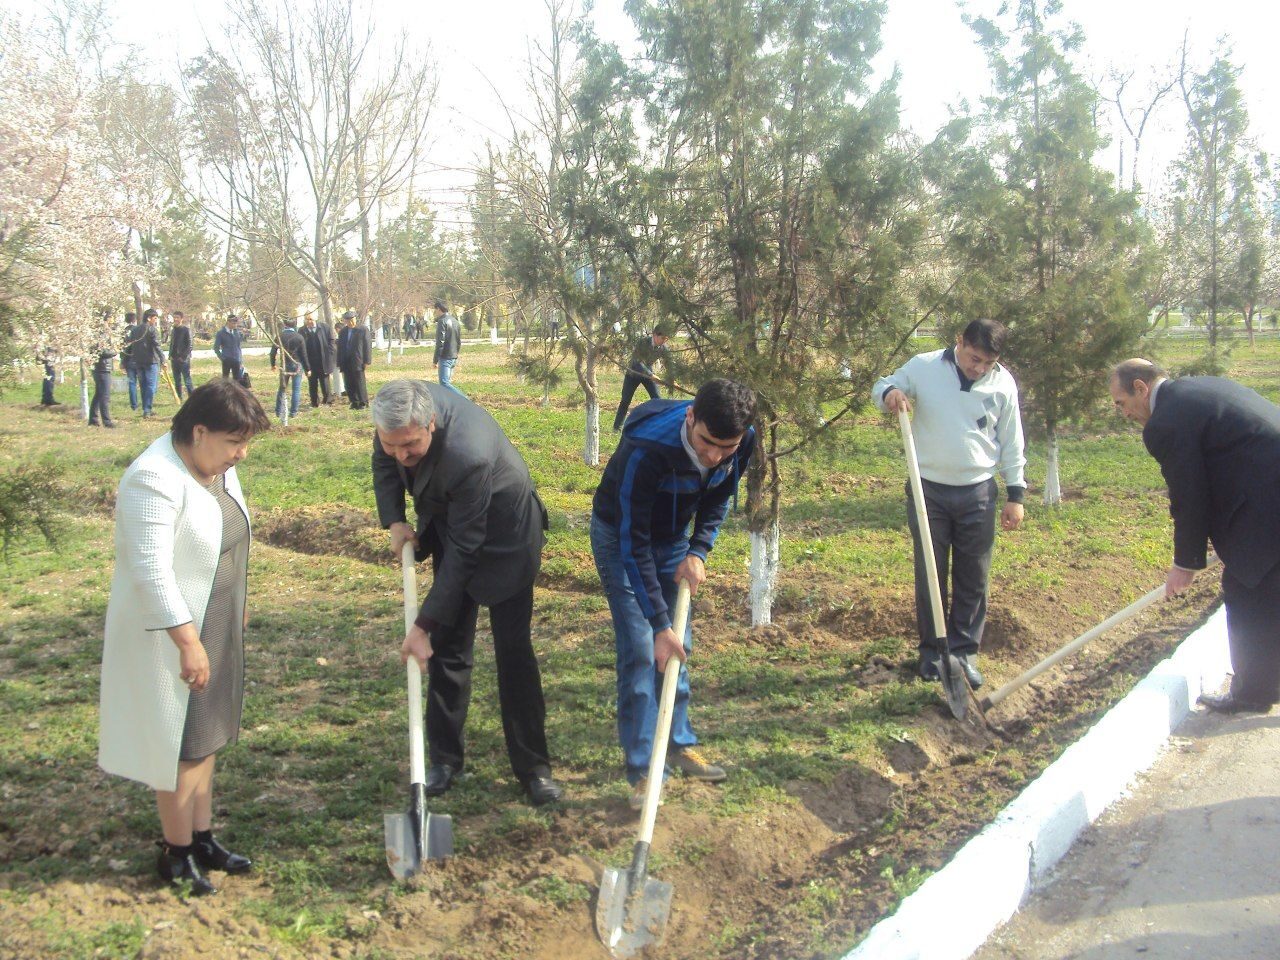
(1218, 446)
(479, 518)
(322, 349)
(180, 344)
(355, 349)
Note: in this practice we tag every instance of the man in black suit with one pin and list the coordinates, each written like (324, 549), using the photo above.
(482, 524)
(1218, 446)
(355, 352)
(322, 352)
(180, 353)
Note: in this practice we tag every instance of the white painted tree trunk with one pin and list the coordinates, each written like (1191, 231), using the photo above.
(1052, 487)
(591, 438)
(546, 395)
(764, 575)
(84, 394)
(339, 386)
(493, 335)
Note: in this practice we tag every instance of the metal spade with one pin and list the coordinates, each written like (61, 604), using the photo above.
(417, 835)
(632, 909)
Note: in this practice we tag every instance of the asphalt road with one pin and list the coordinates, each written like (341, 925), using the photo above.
(1187, 866)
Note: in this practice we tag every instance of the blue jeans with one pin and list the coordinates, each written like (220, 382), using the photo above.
(296, 376)
(639, 682)
(132, 372)
(148, 377)
(446, 375)
(181, 376)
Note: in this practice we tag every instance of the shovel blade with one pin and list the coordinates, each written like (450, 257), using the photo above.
(955, 685)
(404, 854)
(629, 920)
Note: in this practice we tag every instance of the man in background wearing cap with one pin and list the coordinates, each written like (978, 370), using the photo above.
(322, 352)
(648, 351)
(448, 341)
(355, 352)
(226, 347)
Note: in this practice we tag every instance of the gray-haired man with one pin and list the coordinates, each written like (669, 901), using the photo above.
(482, 524)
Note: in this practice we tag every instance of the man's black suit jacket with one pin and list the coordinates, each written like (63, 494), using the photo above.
(479, 518)
(1218, 446)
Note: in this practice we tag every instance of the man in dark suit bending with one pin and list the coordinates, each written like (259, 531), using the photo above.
(482, 524)
(1218, 446)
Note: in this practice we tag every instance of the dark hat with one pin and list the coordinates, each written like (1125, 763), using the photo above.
(232, 316)
(439, 305)
(349, 315)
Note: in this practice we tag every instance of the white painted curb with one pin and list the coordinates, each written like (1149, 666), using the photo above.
(954, 912)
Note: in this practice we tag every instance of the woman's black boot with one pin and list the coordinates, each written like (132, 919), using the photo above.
(212, 855)
(177, 865)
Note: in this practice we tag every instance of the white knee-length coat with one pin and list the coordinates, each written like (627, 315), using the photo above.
(168, 538)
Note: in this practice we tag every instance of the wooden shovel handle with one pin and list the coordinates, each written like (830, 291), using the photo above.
(417, 752)
(666, 706)
(922, 523)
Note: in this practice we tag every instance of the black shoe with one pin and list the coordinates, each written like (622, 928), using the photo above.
(439, 779)
(110, 424)
(212, 855)
(971, 671)
(93, 423)
(929, 666)
(542, 790)
(177, 865)
(1229, 703)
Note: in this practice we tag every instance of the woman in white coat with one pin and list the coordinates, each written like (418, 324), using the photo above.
(173, 655)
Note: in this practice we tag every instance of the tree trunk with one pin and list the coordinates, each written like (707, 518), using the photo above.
(764, 573)
(591, 438)
(84, 392)
(1052, 486)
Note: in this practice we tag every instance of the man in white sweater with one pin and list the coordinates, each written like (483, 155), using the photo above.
(967, 429)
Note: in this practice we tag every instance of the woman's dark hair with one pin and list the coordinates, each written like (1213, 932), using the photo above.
(986, 335)
(221, 405)
(725, 407)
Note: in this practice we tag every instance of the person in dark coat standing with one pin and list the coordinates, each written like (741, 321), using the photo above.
(227, 348)
(180, 353)
(147, 357)
(481, 522)
(322, 353)
(1218, 446)
(50, 379)
(355, 352)
(294, 363)
(133, 332)
(100, 405)
(648, 350)
(448, 343)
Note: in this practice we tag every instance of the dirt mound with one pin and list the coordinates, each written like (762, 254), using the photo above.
(320, 530)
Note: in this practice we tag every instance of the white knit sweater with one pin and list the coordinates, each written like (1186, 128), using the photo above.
(168, 538)
(962, 436)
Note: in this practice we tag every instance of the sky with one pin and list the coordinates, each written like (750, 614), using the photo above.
(482, 46)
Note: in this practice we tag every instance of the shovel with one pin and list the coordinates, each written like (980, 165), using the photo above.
(632, 909)
(415, 836)
(954, 682)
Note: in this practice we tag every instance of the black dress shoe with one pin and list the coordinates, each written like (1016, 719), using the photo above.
(929, 666)
(542, 790)
(177, 865)
(439, 779)
(212, 855)
(971, 671)
(1229, 703)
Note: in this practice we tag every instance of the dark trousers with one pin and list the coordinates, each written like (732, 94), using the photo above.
(318, 383)
(100, 405)
(353, 377)
(962, 523)
(519, 686)
(181, 375)
(46, 388)
(630, 382)
(1253, 634)
(231, 368)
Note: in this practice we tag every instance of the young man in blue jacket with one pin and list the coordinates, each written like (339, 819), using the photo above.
(678, 465)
